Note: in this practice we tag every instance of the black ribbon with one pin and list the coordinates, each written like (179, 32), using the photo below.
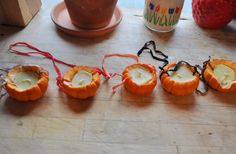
(150, 46)
(147, 47)
(205, 84)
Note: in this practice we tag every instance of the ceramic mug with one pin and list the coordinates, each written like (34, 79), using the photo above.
(162, 15)
(91, 14)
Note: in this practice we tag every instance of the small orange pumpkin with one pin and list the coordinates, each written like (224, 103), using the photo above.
(27, 83)
(179, 83)
(220, 74)
(135, 81)
(81, 82)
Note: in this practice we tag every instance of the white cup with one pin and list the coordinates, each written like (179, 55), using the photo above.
(162, 15)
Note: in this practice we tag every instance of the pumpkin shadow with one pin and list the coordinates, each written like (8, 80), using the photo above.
(79, 105)
(136, 100)
(20, 108)
(226, 98)
(187, 102)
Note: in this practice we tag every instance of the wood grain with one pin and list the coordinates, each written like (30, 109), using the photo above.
(120, 122)
(18, 12)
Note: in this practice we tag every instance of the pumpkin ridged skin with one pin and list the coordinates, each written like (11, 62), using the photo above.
(143, 89)
(30, 94)
(84, 91)
(178, 88)
(211, 78)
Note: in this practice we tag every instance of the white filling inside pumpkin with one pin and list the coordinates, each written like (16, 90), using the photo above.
(224, 74)
(25, 80)
(140, 76)
(82, 78)
(183, 74)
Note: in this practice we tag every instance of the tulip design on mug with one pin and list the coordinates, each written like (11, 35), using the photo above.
(159, 15)
(157, 9)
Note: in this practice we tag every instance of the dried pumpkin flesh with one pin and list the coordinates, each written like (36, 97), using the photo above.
(225, 75)
(25, 79)
(183, 74)
(220, 74)
(140, 78)
(81, 82)
(181, 82)
(81, 78)
(27, 83)
(140, 75)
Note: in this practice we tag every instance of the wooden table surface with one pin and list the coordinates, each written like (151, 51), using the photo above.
(119, 123)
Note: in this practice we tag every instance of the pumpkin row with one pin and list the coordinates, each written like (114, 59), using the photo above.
(28, 83)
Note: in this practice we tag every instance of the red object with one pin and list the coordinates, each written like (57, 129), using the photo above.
(234, 9)
(177, 10)
(157, 8)
(212, 14)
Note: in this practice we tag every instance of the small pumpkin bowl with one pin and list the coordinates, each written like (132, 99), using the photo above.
(27, 83)
(81, 82)
(220, 75)
(178, 87)
(140, 79)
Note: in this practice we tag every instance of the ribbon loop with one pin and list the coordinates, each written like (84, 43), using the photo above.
(43, 53)
(178, 65)
(36, 51)
(147, 47)
(110, 75)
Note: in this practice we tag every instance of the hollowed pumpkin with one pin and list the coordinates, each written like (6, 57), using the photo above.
(140, 78)
(27, 83)
(184, 81)
(220, 74)
(81, 82)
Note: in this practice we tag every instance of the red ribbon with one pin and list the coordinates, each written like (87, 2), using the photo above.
(110, 75)
(43, 53)
(48, 55)
(59, 80)
(37, 51)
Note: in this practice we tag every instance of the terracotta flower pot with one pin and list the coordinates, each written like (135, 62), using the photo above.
(90, 14)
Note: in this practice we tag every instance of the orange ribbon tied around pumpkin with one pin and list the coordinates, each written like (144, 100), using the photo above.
(78, 82)
(137, 78)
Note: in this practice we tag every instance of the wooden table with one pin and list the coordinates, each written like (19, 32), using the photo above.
(119, 123)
